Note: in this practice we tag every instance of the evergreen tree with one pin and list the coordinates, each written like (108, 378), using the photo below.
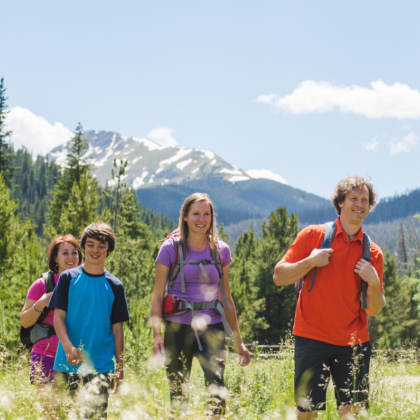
(77, 167)
(76, 162)
(21, 258)
(401, 250)
(222, 233)
(81, 208)
(280, 302)
(242, 275)
(5, 152)
(32, 181)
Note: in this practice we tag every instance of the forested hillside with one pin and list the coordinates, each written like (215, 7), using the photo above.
(38, 200)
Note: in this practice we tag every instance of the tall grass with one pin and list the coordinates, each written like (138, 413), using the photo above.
(263, 390)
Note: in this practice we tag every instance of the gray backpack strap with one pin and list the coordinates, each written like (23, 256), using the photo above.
(181, 263)
(366, 256)
(219, 308)
(219, 267)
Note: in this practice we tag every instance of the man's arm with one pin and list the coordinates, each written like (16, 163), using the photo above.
(375, 299)
(286, 273)
(118, 333)
(74, 356)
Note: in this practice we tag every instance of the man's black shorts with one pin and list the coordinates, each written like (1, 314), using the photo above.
(316, 361)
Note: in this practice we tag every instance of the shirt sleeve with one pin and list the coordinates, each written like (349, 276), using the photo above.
(60, 296)
(302, 246)
(37, 289)
(119, 311)
(225, 254)
(166, 255)
(378, 264)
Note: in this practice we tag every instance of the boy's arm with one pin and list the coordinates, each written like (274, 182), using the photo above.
(74, 356)
(118, 333)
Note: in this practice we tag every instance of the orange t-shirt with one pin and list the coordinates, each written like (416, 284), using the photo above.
(332, 311)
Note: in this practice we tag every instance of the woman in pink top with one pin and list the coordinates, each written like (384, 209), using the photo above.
(63, 253)
(200, 334)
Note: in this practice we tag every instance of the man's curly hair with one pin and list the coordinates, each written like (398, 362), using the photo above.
(349, 184)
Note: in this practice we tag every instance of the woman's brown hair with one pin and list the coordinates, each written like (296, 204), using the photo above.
(183, 225)
(55, 247)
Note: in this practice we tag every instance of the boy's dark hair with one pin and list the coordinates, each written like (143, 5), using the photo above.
(349, 184)
(101, 232)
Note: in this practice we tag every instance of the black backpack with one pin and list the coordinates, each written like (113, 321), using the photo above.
(29, 336)
(330, 231)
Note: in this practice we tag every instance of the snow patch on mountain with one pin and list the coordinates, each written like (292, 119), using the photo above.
(231, 171)
(183, 164)
(139, 180)
(266, 173)
(237, 178)
(148, 143)
(208, 154)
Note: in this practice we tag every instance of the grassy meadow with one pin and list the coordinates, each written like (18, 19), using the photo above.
(263, 390)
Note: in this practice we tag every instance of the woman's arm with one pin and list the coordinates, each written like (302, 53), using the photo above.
(161, 277)
(29, 316)
(244, 356)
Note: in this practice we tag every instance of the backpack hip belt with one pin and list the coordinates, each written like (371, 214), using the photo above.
(182, 305)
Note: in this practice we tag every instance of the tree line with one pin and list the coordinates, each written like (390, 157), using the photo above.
(39, 200)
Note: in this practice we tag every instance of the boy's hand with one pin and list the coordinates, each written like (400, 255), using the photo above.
(74, 356)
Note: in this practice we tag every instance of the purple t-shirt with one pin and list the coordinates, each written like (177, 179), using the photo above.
(46, 346)
(196, 287)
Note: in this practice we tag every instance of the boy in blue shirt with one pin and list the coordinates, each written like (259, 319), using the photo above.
(90, 308)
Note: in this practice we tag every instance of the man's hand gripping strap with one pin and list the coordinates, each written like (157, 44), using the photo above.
(330, 230)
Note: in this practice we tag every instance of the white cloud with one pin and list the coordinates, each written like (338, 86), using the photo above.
(403, 145)
(266, 173)
(163, 136)
(381, 101)
(35, 133)
(373, 145)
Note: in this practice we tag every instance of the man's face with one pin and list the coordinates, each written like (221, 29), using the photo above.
(95, 251)
(355, 206)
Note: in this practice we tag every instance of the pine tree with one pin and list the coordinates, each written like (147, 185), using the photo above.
(77, 167)
(280, 302)
(76, 162)
(401, 250)
(242, 275)
(222, 233)
(5, 152)
(21, 258)
(81, 208)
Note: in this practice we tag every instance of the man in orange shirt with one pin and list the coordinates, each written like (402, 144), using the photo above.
(331, 328)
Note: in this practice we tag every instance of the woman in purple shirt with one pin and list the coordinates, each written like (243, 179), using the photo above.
(199, 333)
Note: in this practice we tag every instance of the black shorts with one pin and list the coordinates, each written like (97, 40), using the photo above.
(316, 361)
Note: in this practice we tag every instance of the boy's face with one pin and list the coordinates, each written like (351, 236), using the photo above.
(96, 252)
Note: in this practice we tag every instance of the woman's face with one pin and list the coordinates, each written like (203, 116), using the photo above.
(199, 217)
(67, 257)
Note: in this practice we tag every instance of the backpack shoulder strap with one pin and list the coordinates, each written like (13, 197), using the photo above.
(367, 245)
(49, 287)
(178, 265)
(216, 257)
(329, 235)
(49, 281)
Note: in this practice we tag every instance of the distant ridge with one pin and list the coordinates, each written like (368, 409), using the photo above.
(165, 176)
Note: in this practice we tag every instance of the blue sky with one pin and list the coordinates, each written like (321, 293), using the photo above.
(205, 70)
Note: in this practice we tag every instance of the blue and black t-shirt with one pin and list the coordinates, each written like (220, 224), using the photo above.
(92, 304)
